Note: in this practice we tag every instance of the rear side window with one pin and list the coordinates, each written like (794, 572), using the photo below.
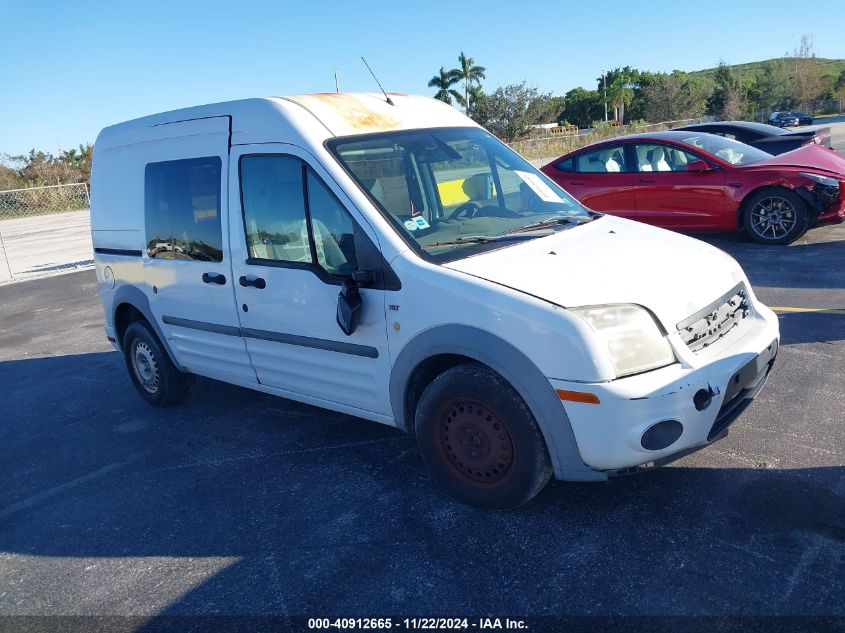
(182, 209)
(606, 160)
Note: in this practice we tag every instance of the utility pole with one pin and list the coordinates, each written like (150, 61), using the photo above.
(604, 82)
(336, 82)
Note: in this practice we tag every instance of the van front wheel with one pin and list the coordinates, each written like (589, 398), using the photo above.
(152, 372)
(480, 440)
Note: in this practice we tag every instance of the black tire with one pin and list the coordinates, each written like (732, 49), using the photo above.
(152, 372)
(778, 210)
(480, 440)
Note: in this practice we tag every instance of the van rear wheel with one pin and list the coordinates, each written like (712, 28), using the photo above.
(480, 440)
(152, 372)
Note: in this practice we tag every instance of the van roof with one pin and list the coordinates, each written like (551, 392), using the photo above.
(312, 117)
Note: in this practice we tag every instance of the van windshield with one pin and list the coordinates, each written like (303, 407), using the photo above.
(449, 190)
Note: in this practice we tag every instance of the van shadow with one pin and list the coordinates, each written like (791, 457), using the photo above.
(237, 503)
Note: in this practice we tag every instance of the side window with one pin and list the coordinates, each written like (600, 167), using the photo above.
(656, 157)
(566, 165)
(290, 215)
(274, 209)
(605, 160)
(182, 209)
(333, 229)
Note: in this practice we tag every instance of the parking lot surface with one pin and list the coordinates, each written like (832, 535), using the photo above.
(239, 503)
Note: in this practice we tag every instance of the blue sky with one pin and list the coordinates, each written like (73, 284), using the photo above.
(72, 68)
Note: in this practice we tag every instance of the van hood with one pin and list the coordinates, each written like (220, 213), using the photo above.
(613, 260)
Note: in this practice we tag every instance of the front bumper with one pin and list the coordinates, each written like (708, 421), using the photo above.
(609, 435)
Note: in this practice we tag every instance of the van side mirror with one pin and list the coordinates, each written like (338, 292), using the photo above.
(349, 306)
(698, 165)
(364, 277)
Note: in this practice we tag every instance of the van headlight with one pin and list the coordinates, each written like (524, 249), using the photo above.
(633, 339)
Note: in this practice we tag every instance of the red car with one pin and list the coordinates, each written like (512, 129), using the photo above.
(695, 181)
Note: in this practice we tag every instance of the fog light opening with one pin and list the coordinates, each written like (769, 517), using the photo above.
(702, 399)
(659, 436)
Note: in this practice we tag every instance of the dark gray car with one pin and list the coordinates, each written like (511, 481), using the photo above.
(768, 138)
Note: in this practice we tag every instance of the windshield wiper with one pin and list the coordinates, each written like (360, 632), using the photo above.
(547, 222)
(484, 239)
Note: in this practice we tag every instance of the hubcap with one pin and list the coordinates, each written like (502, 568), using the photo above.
(475, 441)
(773, 217)
(145, 367)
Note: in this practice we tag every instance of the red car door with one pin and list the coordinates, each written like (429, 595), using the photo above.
(671, 195)
(601, 180)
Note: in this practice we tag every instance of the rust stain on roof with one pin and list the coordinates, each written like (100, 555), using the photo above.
(351, 110)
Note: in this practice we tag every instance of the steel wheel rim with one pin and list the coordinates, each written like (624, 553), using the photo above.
(145, 367)
(773, 217)
(475, 441)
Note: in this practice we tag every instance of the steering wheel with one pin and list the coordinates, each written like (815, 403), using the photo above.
(469, 208)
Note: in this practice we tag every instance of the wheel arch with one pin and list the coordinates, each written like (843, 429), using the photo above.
(131, 304)
(437, 349)
(801, 192)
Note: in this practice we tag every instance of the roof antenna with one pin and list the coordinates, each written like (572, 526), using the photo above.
(377, 81)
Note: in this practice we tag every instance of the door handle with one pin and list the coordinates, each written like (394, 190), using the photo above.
(214, 278)
(645, 180)
(255, 282)
(574, 182)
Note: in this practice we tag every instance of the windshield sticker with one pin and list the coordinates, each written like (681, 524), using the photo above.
(543, 191)
(420, 222)
(410, 225)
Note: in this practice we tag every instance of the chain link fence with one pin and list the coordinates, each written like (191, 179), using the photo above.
(23, 203)
(44, 230)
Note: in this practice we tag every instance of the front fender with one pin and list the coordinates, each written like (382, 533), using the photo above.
(505, 359)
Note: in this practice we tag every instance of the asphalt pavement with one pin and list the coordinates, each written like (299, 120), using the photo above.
(238, 503)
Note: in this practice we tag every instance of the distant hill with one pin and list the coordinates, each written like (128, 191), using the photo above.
(830, 68)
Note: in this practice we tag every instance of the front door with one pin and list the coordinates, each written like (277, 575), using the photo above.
(186, 268)
(295, 238)
(669, 195)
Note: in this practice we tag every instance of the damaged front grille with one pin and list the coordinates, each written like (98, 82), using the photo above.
(717, 321)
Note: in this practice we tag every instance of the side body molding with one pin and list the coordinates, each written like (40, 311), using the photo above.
(135, 297)
(512, 365)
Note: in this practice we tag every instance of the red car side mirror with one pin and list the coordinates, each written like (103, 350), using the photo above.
(698, 165)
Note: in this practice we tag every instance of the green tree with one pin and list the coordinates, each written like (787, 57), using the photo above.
(730, 98)
(774, 87)
(582, 107)
(476, 96)
(444, 82)
(673, 97)
(622, 86)
(511, 110)
(468, 72)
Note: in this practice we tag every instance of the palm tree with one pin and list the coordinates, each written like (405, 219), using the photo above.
(444, 82)
(469, 73)
(476, 94)
(619, 94)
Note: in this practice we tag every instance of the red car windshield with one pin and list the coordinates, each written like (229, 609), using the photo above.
(727, 149)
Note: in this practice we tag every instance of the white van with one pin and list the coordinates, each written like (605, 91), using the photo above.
(387, 258)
